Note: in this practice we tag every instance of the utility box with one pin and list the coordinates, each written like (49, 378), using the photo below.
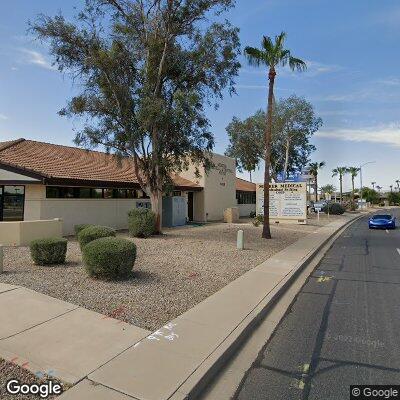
(174, 211)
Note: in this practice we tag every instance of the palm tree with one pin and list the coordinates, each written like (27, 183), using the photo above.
(328, 189)
(340, 171)
(313, 170)
(398, 185)
(353, 171)
(271, 55)
(391, 188)
(373, 185)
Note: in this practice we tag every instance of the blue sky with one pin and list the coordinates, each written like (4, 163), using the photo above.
(353, 79)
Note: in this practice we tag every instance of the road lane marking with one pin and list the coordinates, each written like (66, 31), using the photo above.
(398, 250)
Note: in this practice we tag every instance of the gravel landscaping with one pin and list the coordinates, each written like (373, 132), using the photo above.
(12, 371)
(173, 272)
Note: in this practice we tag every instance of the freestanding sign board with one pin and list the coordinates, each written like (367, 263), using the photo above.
(288, 201)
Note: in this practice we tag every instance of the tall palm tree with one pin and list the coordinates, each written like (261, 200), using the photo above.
(340, 171)
(373, 185)
(313, 169)
(398, 184)
(328, 189)
(353, 171)
(391, 188)
(271, 55)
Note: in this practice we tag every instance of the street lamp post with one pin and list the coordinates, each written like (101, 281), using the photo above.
(361, 184)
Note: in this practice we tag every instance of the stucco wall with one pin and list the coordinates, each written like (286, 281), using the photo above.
(34, 195)
(107, 212)
(219, 190)
(21, 233)
(220, 187)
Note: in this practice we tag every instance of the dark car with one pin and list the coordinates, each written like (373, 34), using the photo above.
(382, 221)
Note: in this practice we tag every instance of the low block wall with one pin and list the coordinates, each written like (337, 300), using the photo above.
(21, 233)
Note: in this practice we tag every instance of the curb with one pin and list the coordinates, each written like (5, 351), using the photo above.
(198, 381)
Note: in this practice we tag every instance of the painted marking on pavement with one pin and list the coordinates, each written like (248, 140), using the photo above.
(398, 250)
(324, 279)
(387, 231)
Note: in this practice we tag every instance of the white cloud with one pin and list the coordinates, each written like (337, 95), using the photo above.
(390, 81)
(384, 134)
(3, 117)
(36, 58)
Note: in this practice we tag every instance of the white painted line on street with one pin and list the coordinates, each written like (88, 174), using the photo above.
(387, 231)
(398, 250)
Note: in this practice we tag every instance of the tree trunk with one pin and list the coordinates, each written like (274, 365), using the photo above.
(352, 186)
(156, 206)
(316, 187)
(266, 233)
(341, 191)
(285, 168)
(250, 176)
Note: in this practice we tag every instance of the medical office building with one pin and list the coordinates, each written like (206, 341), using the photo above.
(41, 181)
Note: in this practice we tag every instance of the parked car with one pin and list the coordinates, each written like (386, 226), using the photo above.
(382, 221)
(319, 205)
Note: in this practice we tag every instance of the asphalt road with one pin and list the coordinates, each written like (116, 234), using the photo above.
(343, 328)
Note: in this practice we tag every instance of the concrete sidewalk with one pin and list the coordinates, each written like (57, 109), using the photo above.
(176, 361)
(50, 336)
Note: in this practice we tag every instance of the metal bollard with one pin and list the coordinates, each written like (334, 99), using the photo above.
(240, 240)
(1, 258)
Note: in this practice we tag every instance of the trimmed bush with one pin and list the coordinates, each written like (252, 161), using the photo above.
(48, 251)
(80, 227)
(109, 258)
(94, 232)
(142, 222)
(334, 209)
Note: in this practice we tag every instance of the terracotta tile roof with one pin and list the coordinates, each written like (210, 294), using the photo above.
(245, 186)
(56, 162)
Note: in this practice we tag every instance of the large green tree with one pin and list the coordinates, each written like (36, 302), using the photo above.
(340, 172)
(294, 123)
(246, 141)
(370, 195)
(314, 169)
(271, 55)
(145, 70)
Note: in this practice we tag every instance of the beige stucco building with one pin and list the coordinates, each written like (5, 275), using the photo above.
(41, 181)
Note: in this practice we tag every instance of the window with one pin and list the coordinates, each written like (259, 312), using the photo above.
(176, 193)
(245, 197)
(60, 192)
(84, 193)
(12, 199)
(131, 194)
(108, 193)
(97, 193)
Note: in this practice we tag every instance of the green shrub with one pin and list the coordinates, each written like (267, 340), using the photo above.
(142, 222)
(109, 258)
(334, 209)
(48, 251)
(259, 219)
(80, 227)
(94, 232)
